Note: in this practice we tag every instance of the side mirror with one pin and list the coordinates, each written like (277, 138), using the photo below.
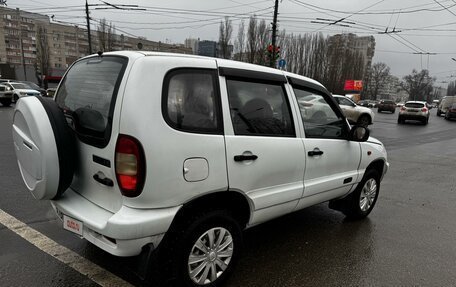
(358, 134)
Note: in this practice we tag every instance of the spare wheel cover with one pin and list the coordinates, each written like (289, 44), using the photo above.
(44, 146)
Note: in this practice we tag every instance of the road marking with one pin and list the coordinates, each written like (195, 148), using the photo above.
(87, 268)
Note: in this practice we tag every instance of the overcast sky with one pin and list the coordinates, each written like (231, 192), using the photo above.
(421, 26)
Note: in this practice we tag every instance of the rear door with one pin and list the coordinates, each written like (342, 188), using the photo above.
(331, 160)
(90, 96)
(265, 156)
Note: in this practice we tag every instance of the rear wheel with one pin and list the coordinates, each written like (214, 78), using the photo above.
(6, 102)
(201, 251)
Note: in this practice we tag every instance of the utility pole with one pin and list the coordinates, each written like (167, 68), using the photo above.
(88, 27)
(274, 34)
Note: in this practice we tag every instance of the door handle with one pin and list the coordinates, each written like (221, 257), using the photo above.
(245, 157)
(315, 152)
(106, 181)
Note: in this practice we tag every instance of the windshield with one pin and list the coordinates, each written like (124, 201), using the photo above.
(87, 95)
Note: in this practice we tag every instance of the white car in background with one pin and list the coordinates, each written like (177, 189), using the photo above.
(354, 113)
(21, 90)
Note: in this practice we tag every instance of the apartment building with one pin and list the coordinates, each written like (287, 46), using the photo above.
(23, 34)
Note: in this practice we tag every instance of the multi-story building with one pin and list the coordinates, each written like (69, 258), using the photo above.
(23, 34)
(192, 44)
(207, 48)
(364, 45)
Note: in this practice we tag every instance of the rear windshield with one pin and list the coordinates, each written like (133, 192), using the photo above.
(414, 105)
(87, 95)
(388, 102)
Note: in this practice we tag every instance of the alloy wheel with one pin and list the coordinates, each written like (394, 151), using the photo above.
(368, 194)
(210, 256)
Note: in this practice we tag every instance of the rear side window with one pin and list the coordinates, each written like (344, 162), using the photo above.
(191, 101)
(414, 105)
(87, 95)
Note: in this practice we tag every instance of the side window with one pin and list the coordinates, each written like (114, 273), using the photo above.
(191, 101)
(318, 117)
(259, 108)
(345, 102)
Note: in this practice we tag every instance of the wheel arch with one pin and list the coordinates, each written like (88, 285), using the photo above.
(235, 202)
(377, 165)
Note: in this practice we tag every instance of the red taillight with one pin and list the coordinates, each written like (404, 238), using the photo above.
(424, 110)
(130, 166)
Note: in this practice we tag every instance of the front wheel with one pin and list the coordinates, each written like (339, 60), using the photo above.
(360, 203)
(204, 253)
(364, 120)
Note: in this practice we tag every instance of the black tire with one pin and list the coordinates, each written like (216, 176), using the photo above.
(438, 113)
(393, 111)
(6, 102)
(364, 120)
(15, 98)
(379, 111)
(65, 141)
(179, 244)
(351, 206)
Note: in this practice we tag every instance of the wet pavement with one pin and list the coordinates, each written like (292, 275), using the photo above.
(408, 239)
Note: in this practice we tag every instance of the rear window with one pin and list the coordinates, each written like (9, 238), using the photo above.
(388, 102)
(87, 96)
(414, 105)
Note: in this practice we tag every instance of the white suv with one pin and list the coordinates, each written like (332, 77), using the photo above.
(180, 153)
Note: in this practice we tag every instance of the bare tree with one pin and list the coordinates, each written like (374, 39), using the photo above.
(252, 40)
(42, 51)
(378, 78)
(262, 40)
(226, 29)
(239, 43)
(418, 85)
(106, 36)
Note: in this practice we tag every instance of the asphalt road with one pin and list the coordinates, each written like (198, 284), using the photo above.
(408, 239)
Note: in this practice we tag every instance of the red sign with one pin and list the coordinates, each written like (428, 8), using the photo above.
(353, 85)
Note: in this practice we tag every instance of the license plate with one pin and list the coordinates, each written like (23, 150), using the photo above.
(72, 225)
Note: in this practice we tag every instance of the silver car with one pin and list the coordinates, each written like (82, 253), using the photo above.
(414, 110)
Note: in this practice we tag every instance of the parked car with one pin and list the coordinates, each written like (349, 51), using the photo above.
(414, 110)
(364, 103)
(20, 90)
(6, 95)
(386, 105)
(35, 87)
(451, 112)
(132, 171)
(354, 113)
(444, 104)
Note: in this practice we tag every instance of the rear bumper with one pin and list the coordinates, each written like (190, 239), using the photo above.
(6, 95)
(451, 115)
(416, 117)
(123, 233)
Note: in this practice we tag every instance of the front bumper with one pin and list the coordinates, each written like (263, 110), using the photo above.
(123, 233)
